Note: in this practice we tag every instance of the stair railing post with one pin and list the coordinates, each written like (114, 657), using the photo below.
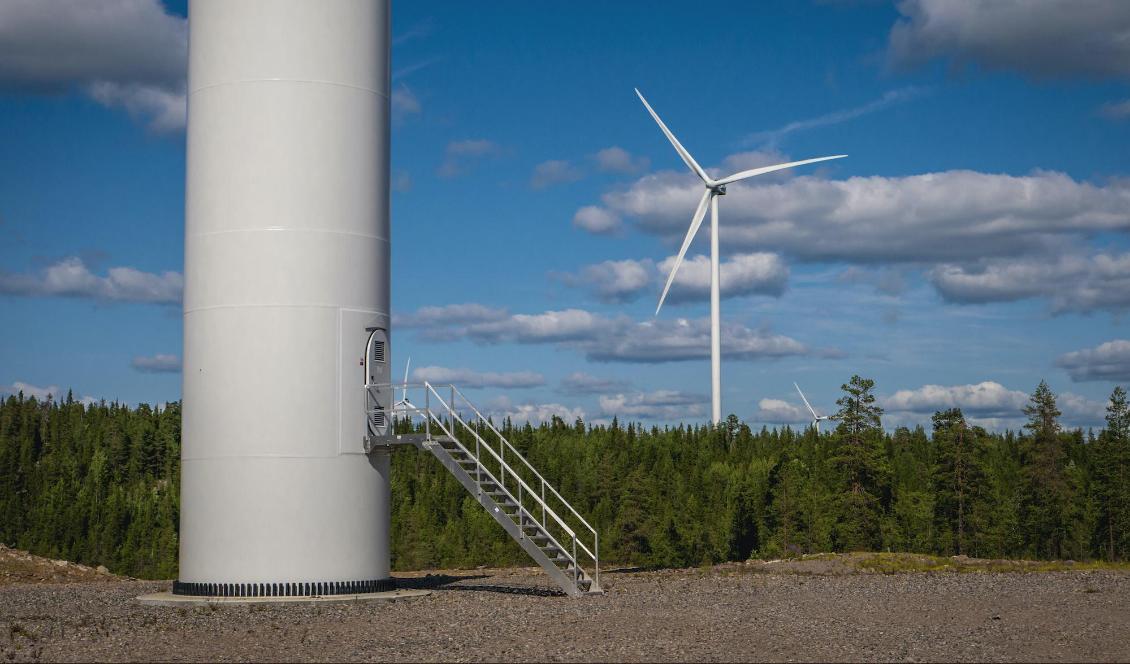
(575, 566)
(596, 556)
(543, 502)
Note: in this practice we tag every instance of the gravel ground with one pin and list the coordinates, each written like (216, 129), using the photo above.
(734, 612)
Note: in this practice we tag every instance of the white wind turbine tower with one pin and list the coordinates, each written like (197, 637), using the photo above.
(816, 418)
(714, 188)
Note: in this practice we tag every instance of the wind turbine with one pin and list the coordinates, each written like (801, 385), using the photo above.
(404, 404)
(714, 189)
(816, 418)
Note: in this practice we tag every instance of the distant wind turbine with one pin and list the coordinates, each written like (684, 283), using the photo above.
(404, 404)
(714, 188)
(816, 418)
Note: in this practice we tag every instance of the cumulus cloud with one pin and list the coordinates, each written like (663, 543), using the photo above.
(164, 110)
(502, 408)
(71, 277)
(604, 339)
(463, 377)
(615, 281)
(776, 411)
(946, 216)
(40, 393)
(579, 382)
(760, 273)
(890, 98)
(624, 281)
(128, 54)
(160, 363)
(459, 155)
(618, 160)
(988, 404)
(1070, 283)
(598, 220)
(660, 405)
(1107, 361)
(1039, 38)
(554, 171)
(985, 399)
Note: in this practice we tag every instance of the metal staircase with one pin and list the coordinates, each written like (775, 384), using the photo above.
(511, 490)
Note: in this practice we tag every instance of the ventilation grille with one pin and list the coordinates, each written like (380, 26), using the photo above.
(378, 351)
(377, 418)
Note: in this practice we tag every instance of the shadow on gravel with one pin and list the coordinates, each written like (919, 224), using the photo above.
(451, 582)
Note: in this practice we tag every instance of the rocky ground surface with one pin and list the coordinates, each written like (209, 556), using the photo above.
(869, 607)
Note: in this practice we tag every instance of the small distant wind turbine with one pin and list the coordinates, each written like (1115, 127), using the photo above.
(404, 404)
(714, 188)
(816, 418)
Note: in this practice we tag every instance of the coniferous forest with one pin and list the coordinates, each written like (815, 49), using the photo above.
(99, 484)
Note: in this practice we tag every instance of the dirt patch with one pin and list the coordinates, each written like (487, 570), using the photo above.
(22, 567)
(729, 613)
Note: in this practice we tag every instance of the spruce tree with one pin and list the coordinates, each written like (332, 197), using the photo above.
(862, 464)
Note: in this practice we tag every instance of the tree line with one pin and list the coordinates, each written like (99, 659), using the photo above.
(100, 484)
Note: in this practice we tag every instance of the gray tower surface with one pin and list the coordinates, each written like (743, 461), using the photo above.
(286, 280)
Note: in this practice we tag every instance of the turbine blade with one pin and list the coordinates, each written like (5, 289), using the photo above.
(810, 408)
(404, 390)
(696, 221)
(769, 169)
(686, 156)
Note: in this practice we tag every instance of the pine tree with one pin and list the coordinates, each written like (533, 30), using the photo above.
(861, 461)
(1048, 493)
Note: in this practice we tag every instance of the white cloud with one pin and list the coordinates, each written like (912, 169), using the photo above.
(1040, 38)
(890, 98)
(554, 171)
(615, 281)
(603, 339)
(985, 399)
(760, 273)
(660, 405)
(1071, 283)
(160, 363)
(626, 280)
(503, 408)
(70, 277)
(164, 110)
(618, 160)
(1107, 361)
(580, 382)
(128, 54)
(463, 377)
(776, 411)
(596, 220)
(459, 155)
(41, 393)
(945, 216)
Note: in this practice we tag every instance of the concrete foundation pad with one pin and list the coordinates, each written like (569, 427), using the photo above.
(169, 599)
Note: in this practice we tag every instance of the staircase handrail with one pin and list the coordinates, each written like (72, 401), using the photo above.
(522, 483)
(524, 461)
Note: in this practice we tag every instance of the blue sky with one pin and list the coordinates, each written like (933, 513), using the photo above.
(974, 242)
